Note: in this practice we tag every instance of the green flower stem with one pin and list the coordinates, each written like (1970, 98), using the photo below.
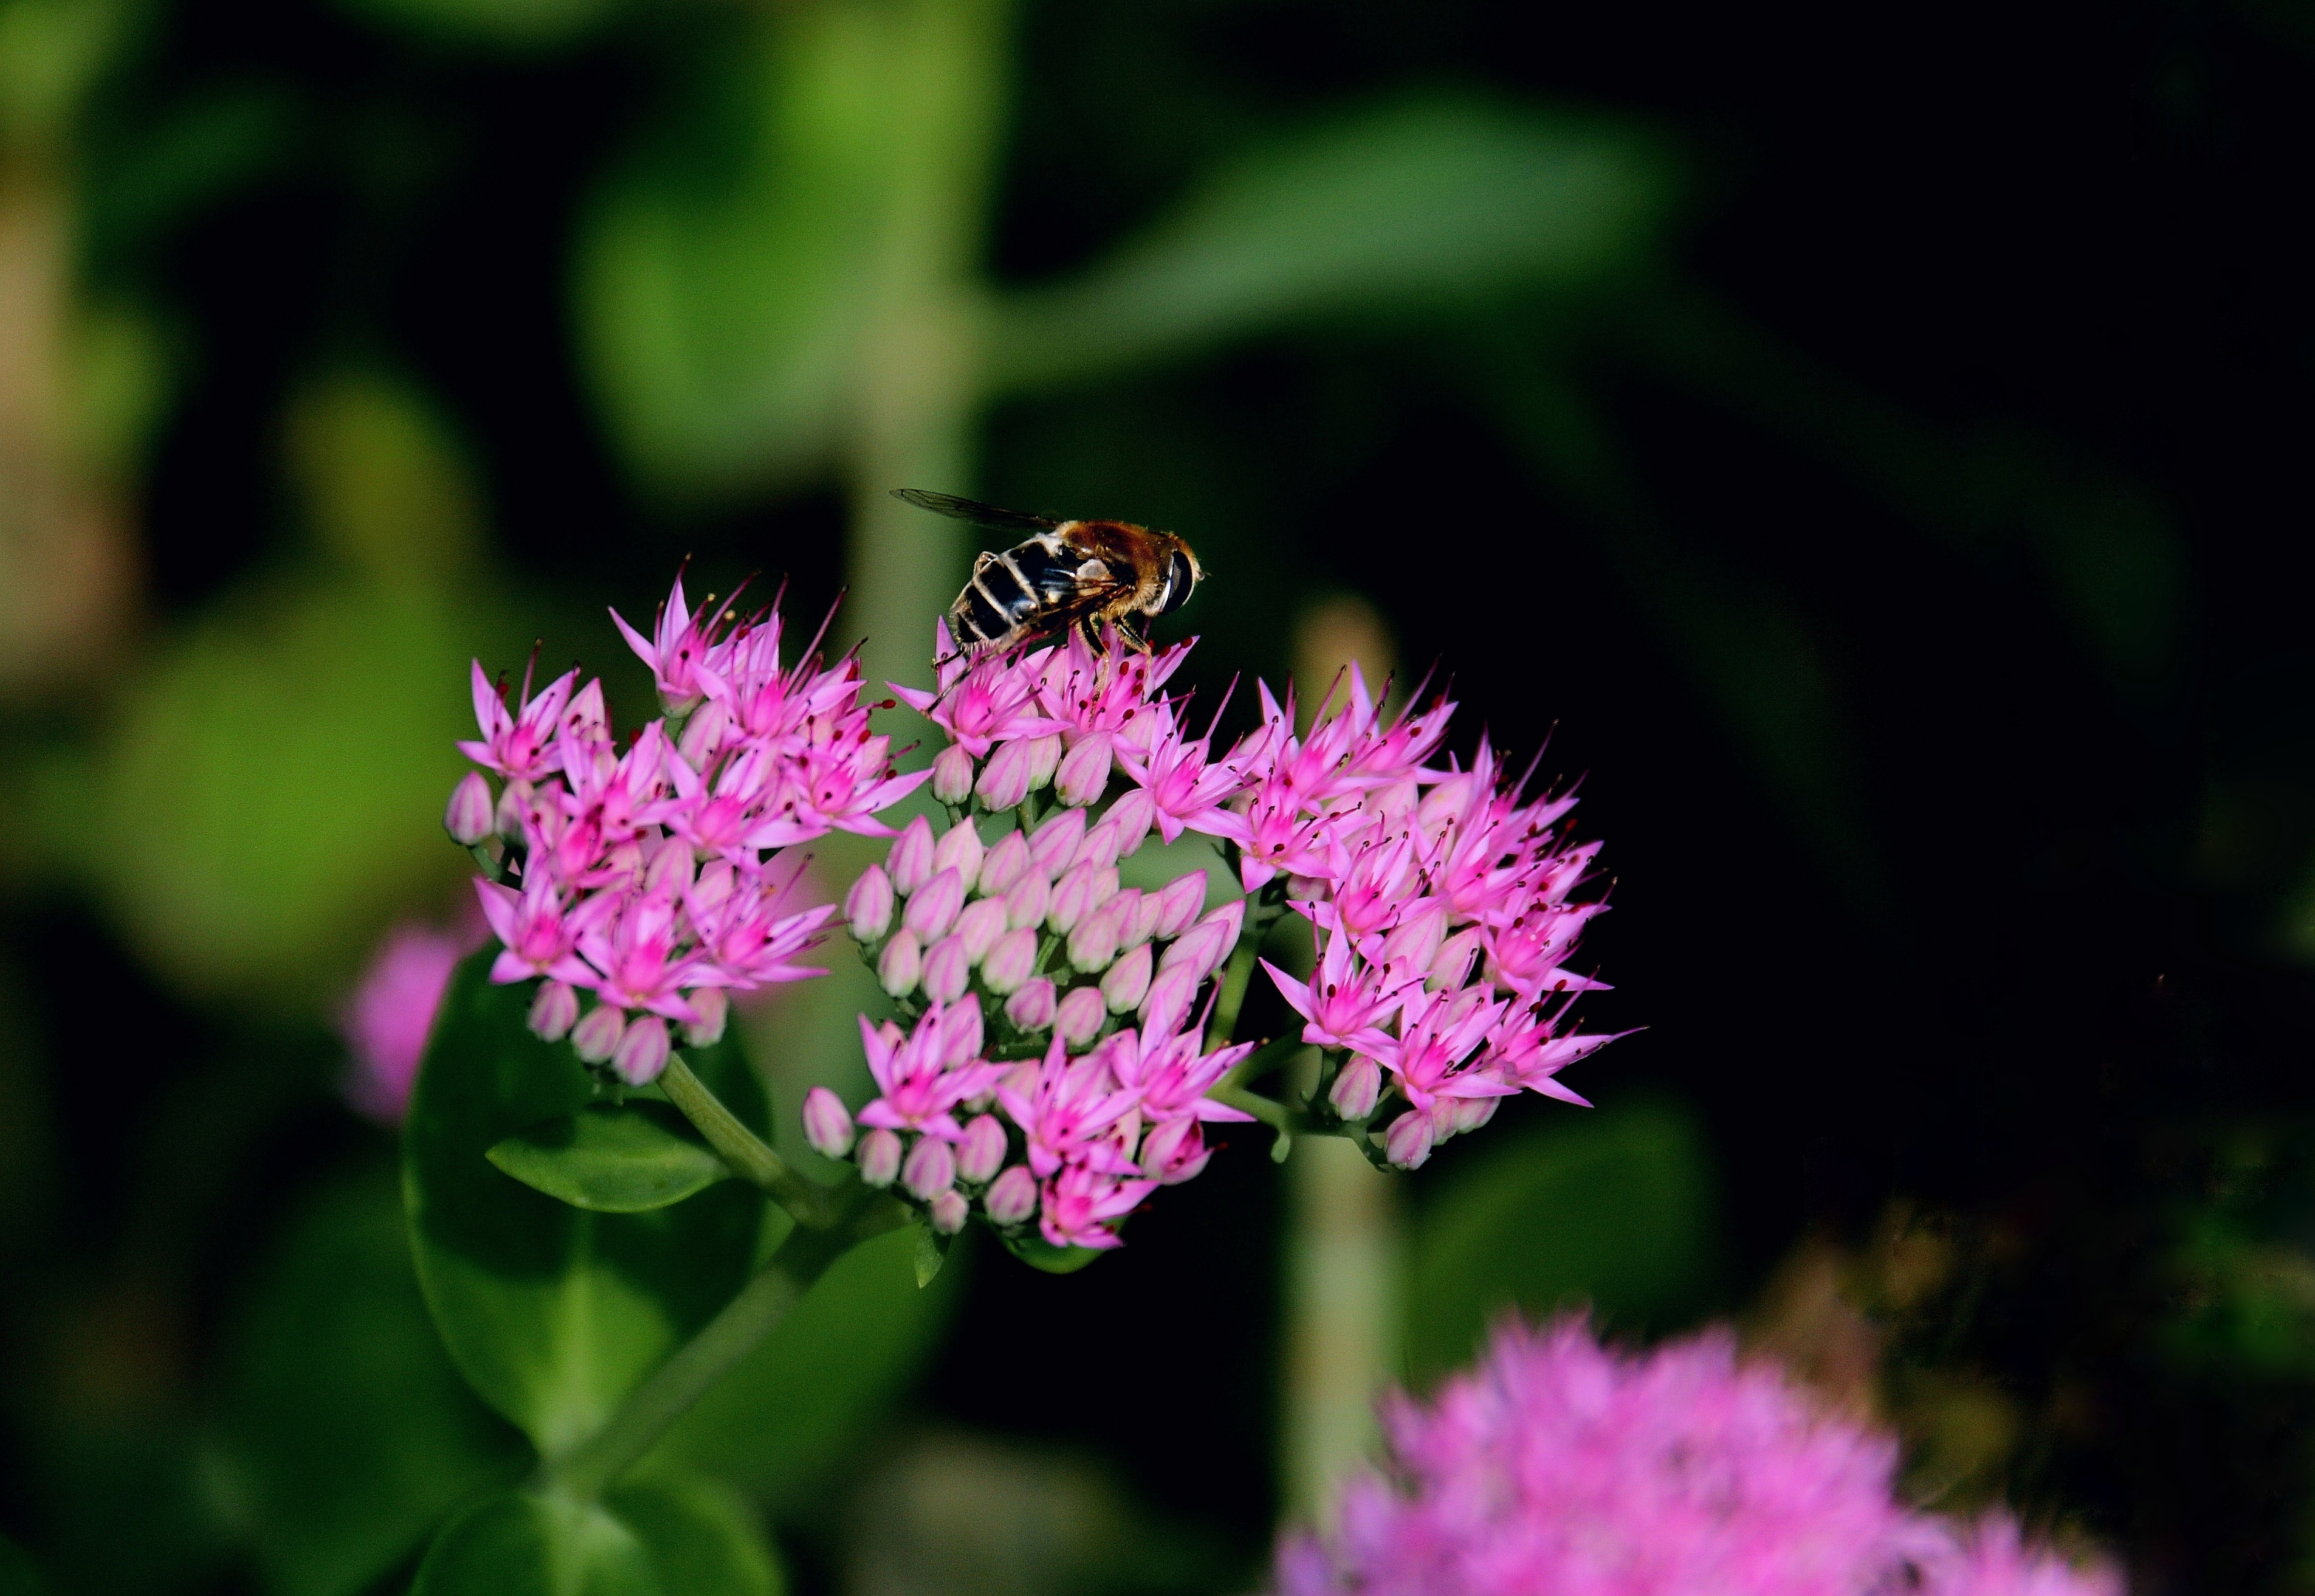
(1262, 1060)
(1269, 1111)
(813, 1206)
(596, 1463)
(1234, 984)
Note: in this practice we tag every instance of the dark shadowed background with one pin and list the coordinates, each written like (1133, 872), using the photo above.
(1869, 450)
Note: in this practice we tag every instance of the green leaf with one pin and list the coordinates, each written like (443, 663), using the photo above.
(554, 1313)
(1035, 1251)
(1613, 1208)
(625, 1160)
(350, 1434)
(799, 1402)
(666, 1537)
(1425, 205)
(932, 1252)
(702, 1539)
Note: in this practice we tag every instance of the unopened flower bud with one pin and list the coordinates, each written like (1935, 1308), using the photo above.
(1005, 779)
(597, 1037)
(716, 878)
(1469, 1114)
(980, 926)
(1167, 1004)
(960, 1032)
(553, 1011)
(1128, 981)
(1126, 904)
(1174, 1151)
(1099, 847)
(1031, 1007)
(643, 1051)
(1408, 1142)
(1133, 813)
(1183, 900)
(899, 964)
(1195, 952)
(1002, 865)
(1093, 944)
(1044, 758)
(952, 775)
(868, 906)
(947, 971)
(1231, 918)
(1026, 903)
(1072, 899)
(1010, 958)
(947, 1211)
(1414, 941)
(931, 1169)
(1356, 1089)
(959, 850)
(1079, 1017)
(514, 805)
(1085, 771)
(670, 867)
(1055, 843)
(933, 908)
(1014, 1198)
(714, 1009)
(911, 861)
(703, 733)
(1452, 965)
(880, 1158)
(982, 1153)
(472, 815)
(1308, 888)
(827, 1123)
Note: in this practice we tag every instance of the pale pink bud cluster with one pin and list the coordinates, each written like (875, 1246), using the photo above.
(646, 875)
(1029, 948)
(1558, 1465)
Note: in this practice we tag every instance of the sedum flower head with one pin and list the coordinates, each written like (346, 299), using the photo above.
(650, 877)
(1446, 903)
(1562, 1468)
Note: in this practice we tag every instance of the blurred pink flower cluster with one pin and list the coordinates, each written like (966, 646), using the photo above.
(647, 876)
(1055, 1007)
(1559, 1466)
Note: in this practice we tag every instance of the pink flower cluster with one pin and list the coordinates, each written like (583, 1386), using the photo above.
(1445, 918)
(647, 876)
(1559, 1467)
(1443, 902)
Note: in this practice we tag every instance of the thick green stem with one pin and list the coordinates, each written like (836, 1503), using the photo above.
(596, 1463)
(813, 1206)
(1271, 1112)
(1234, 981)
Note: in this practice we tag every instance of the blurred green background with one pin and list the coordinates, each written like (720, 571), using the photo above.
(1867, 448)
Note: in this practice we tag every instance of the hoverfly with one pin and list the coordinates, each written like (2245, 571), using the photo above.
(1065, 573)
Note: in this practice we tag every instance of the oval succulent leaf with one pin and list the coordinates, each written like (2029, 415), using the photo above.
(630, 1158)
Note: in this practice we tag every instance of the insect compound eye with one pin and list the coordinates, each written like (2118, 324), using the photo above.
(1178, 584)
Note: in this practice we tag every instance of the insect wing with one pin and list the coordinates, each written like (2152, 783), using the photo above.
(974, 511)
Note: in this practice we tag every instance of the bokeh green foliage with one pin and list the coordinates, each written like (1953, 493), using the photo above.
(351, 1436)
(1613, 1212)
(268, 792)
